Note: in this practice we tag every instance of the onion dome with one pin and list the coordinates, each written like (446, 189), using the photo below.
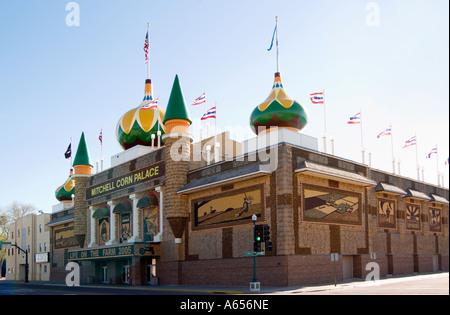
(138, 125)
(279, 110)
(64, 192)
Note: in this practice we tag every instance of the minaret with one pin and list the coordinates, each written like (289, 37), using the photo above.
(82, 165)
(177, 142)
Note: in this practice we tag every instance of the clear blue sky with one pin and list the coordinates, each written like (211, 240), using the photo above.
(57, 81)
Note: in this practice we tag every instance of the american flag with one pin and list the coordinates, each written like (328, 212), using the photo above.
(410, 142)
(385, 132)
(146, 48)
(317, 98)
(355, 119)
(201, 99)
(152, 104)
(433, 151)
(100, 137)
(211, 113)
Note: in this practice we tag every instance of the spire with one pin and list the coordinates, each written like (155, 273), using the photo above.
(82, 157)
(176, 108)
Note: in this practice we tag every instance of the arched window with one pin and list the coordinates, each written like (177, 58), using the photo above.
(150, 219)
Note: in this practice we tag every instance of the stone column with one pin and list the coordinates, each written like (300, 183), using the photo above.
(112, 224)
(136, 237)
(285, 213)
(93, 242)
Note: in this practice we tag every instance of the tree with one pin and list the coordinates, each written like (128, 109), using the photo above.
(18, 210)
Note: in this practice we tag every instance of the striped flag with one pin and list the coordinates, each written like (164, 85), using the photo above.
(211, 113)
(152, 104)
(446, 161)
(433, 151)
(100, 137)
(317, 98)
(201, 99)
(385, 132)
(146, 45)
(410, 142)
(355, 119)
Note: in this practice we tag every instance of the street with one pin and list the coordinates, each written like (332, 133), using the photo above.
(429, 284)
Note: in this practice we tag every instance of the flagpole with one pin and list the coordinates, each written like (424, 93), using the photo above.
(324, 124)
(362, 142)
(70, 160)
(417, 158)
(148, 61)
(392, 149)
(437, 166)
(278, 57)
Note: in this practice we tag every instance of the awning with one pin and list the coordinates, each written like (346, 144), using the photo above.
(411, 193)
(389, 188)
(227, 177)
(437, 198)
(318, 170)
(100, 213)
(147, 201)
(123, 206)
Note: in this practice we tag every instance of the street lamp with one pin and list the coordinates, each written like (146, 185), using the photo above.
(254, 285)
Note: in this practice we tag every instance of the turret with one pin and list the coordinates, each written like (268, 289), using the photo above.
(82, 165)
(177, 153)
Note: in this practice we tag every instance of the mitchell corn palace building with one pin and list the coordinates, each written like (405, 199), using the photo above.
(163, 215)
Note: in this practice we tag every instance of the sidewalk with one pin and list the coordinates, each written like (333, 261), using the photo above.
(264, 290)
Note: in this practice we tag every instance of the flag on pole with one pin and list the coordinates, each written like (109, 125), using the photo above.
(355, 119)
(385, 132)
(433, 151)
(211, 113)
(273, 37)
(146, 45)
(152, 104)
(100, 137)
(317, 98)
(201, 99)
(68, 153)
(410, 142)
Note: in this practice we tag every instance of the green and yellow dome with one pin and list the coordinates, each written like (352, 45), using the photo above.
(279, 110)
(64, 192)
(138, 125)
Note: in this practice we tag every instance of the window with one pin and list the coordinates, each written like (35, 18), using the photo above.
(45, 247)
(40, 228)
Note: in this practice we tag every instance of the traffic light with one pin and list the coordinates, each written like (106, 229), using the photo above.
(258, 238)
(266, 238)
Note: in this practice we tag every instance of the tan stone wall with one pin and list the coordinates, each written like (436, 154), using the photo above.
(212, 243)
(320, 238)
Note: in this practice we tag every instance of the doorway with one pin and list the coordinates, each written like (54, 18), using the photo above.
(347, 267)
(104, 273)
(126, 274)
(151, 277)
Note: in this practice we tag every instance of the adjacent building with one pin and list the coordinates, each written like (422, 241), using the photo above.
(30, 234)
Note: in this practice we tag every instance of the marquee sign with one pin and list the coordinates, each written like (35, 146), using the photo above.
(115, 251)
(125, 181)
